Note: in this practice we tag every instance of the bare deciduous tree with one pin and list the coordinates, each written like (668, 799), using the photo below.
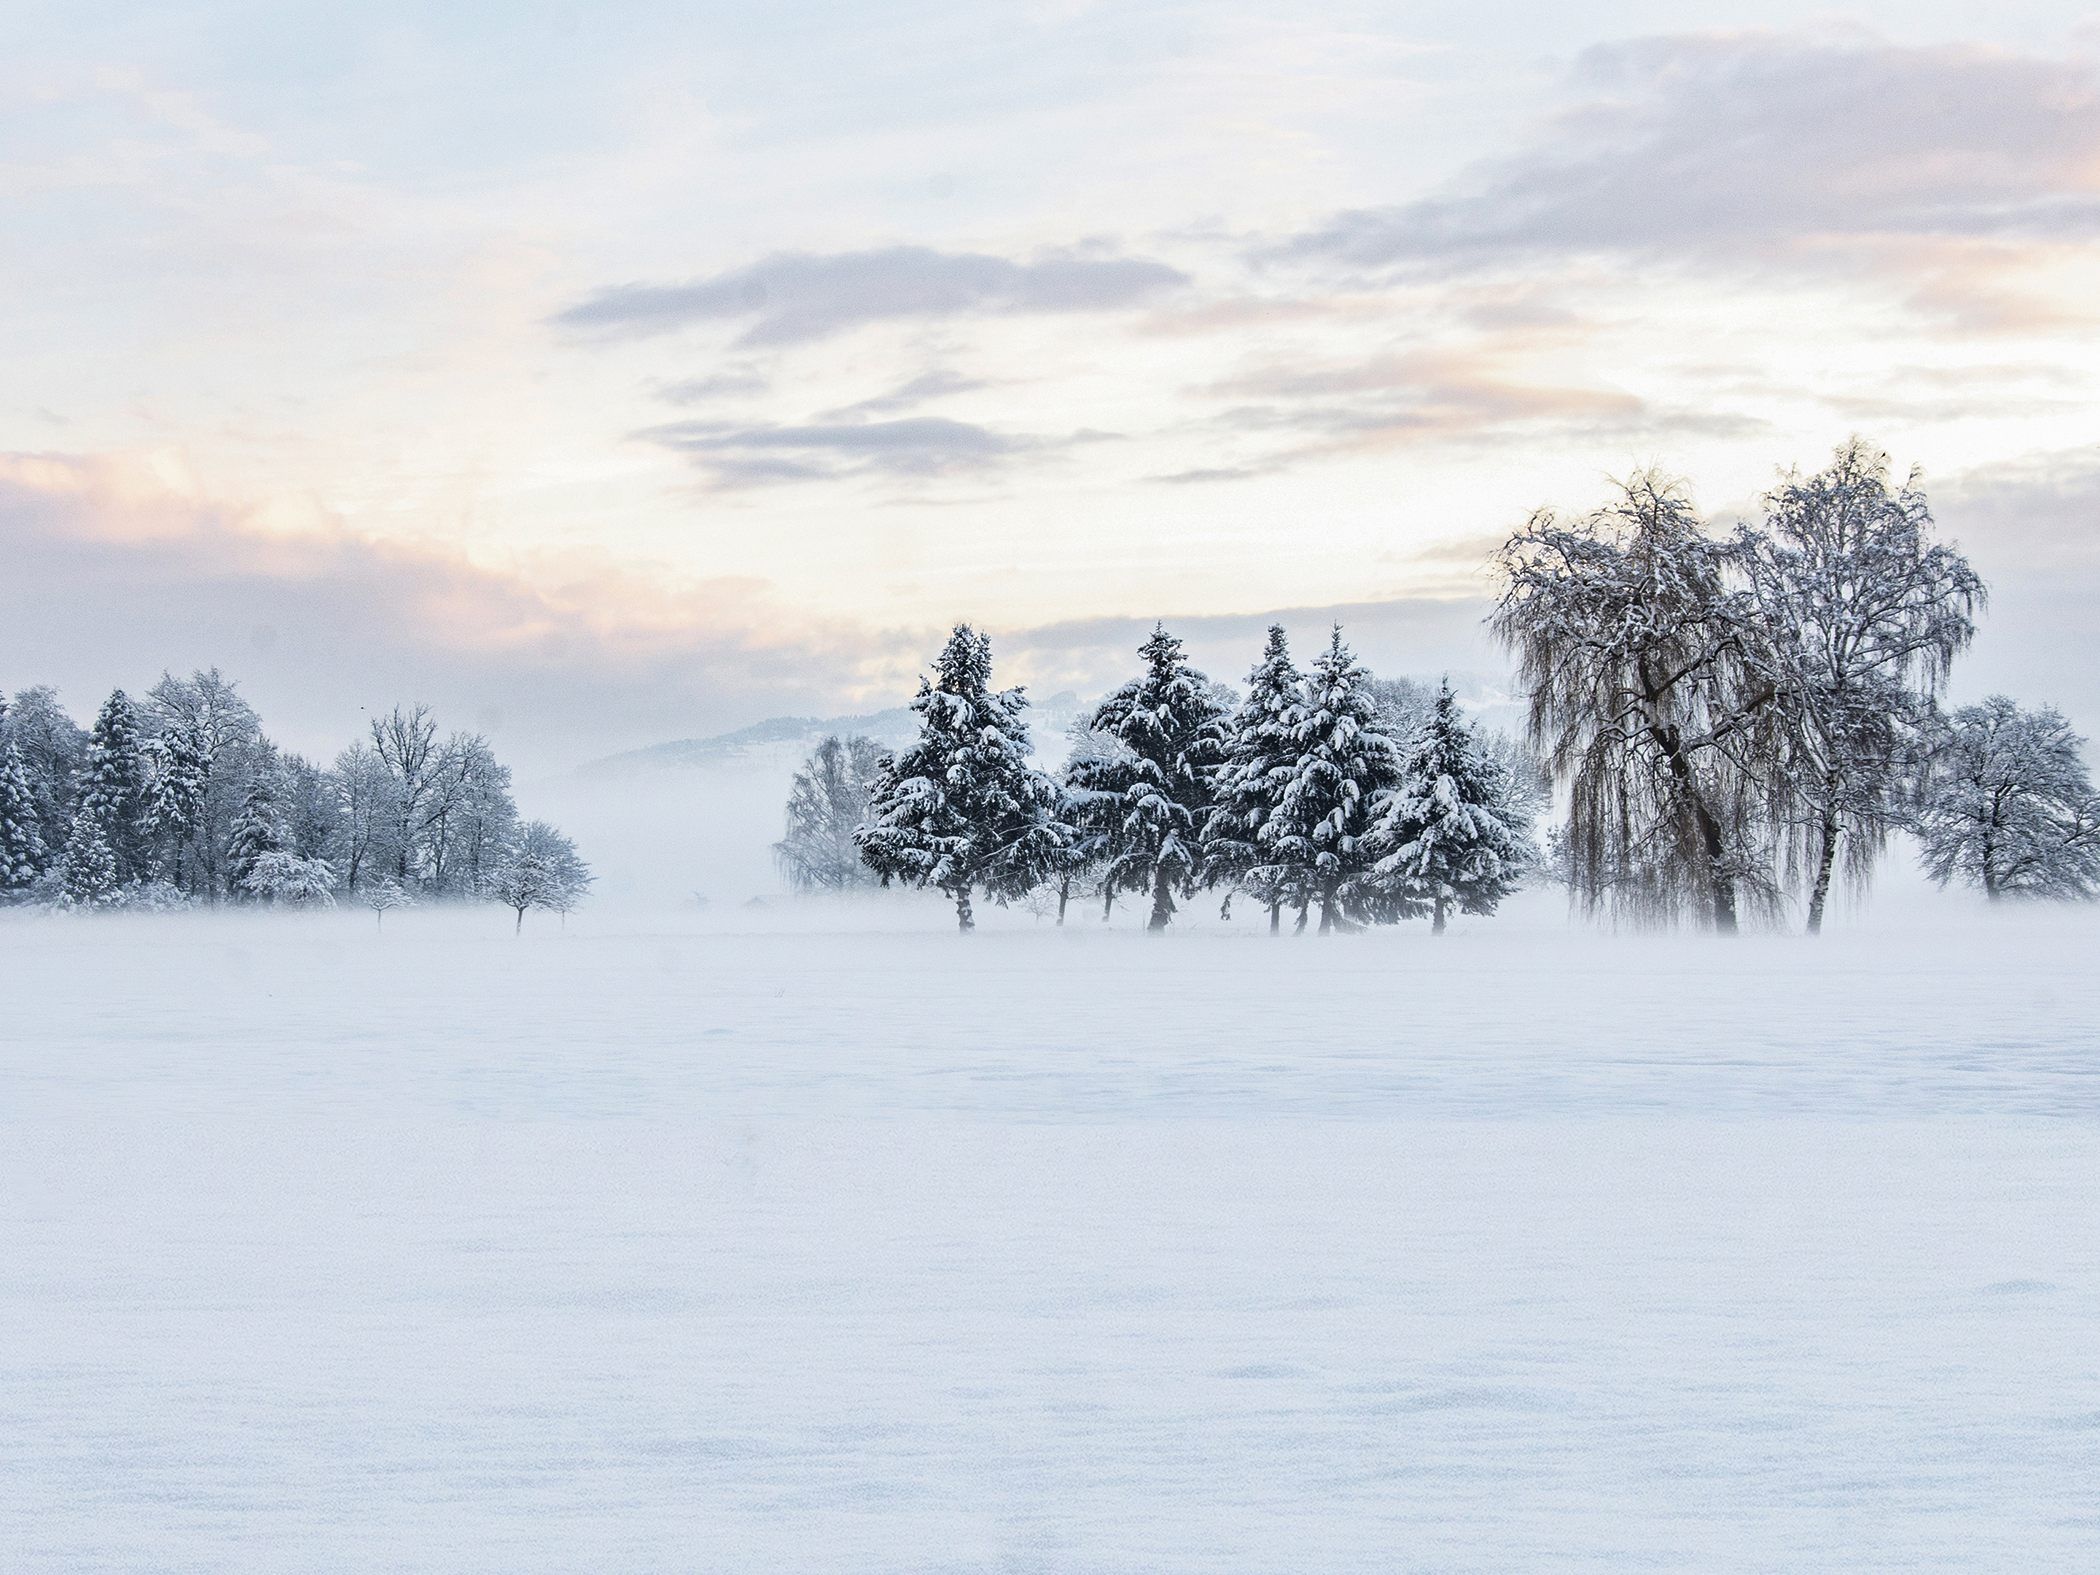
(1652, 690)
(1865, 613)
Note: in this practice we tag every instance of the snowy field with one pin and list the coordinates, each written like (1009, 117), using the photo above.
(655, 1246)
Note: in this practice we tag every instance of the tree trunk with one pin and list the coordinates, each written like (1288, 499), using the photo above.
(1108, 901)
(1162, 902)
(1276, 917)
(1826, 860)
(1304, 908)
(519, 927)
(1327, 909)
(1436, 915)
(1710, 837)
(1064, 895)
(965, 920)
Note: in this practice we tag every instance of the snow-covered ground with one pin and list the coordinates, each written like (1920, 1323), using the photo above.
(849, 1245)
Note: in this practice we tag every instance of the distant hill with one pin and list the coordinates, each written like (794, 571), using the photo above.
(778, 737)
(784, 740)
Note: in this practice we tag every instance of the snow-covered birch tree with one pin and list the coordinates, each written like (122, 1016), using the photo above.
(1865, 614)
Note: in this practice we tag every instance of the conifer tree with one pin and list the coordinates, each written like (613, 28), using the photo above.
(258, 830)
(177, 775)
(22, 852)
(1260, 754)
(962, 810)
(87, 868)
(113, 785)
(1317, 844)
(1153, 795)
(1446, 831)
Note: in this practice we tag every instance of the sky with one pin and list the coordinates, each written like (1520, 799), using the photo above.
(612, 373)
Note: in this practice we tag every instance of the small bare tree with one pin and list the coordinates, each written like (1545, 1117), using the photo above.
(827, 802)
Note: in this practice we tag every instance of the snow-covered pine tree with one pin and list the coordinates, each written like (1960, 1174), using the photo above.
(1316, 844)
(1153, 796)
(962, 810)
(259, 829)
(87, 869)
(23, 855)
(1446, 833)
(176, 778)
(113, 785)
(1261, 754)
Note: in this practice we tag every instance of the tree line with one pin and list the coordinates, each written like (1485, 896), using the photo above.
(181, 799)
(1727, 722)
(1323, 793)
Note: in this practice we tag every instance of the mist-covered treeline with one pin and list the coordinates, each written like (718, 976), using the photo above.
(1732, 724)
(180, 798)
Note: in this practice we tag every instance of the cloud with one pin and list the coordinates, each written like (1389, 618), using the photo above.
(1458, 395)
(1748, 150)
(912, 446)
(923, 389)
(736, 383)
(2032, 529)
(796, 297)
(114, 574)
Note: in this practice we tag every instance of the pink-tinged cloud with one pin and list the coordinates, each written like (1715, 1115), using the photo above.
(1955, 167)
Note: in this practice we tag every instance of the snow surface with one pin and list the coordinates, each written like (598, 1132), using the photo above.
(851, 1246)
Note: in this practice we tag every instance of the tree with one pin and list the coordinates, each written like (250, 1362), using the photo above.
(468, 816)
(1652, 696)
(53, 748)
(1090, 794)
(827, 802)
(176, 778)
(406, 743)
(368, 815)
(258, 834)
(540, 870)
(282, 878)
(1260, 756)
(1317, 846)
(114, 788)
(1153, 797)
(383, 896)
(2011, 808)
(87, 868)
(1865, 614)
(961, 809)
(23, 856)
(227, 754)
(1448, 834)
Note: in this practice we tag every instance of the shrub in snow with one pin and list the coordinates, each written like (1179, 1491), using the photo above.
(287, 880)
